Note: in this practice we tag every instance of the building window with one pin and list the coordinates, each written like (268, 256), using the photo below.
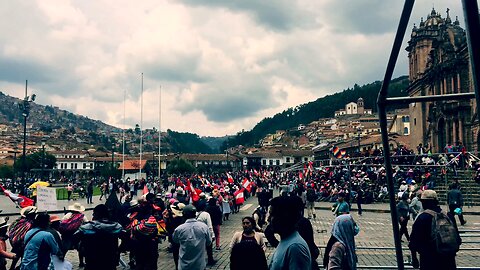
(91, 165)
(71, 166)
(270, 162)
(84, 165)
(277, 162)
(264, 162)
(414, 121)
(287, 160)
(405, 131)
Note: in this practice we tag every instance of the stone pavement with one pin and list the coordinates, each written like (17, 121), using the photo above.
(376, 231)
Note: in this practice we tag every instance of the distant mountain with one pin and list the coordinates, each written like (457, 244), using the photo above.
(184, 142)
(48, 118)
(215, 143)
(321, 108)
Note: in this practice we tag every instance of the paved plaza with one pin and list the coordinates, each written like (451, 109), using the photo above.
(376, 231)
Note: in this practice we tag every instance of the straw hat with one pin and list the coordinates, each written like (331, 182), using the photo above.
(77, 207)
(177, 209)
(28, 210)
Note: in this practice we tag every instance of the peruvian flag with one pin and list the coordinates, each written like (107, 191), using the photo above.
(239, 199)
(310, 166)
(300, 175)
(193, 192)
(247, 184)
(230, 178)
(255, 172)
(17, 198)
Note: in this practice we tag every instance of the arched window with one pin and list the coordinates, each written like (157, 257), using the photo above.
(405, 131)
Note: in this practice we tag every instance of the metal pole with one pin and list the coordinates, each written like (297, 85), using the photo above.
(472, 25)
(43, 161)
(382, 114)
(25, 115)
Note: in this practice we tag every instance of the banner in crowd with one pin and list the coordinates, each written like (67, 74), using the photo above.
(46, 199)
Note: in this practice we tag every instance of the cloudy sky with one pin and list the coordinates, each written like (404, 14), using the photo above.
(221, 66)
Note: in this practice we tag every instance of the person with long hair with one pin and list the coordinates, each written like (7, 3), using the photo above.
(248, 234)
(247, 255)
(340, 251)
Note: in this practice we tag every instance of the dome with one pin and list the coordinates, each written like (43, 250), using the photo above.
(433, 19)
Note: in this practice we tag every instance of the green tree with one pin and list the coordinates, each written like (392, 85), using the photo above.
(180, 166)
(6, 171)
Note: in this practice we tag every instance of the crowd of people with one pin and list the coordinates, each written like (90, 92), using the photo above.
(188, 213)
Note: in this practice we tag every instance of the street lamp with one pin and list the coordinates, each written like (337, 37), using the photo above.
(359, 132)
(24, 107)
(15, 149)
(95, 170)
(43, 158)
(113, 155)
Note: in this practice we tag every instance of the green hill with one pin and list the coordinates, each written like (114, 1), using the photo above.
(321, 108)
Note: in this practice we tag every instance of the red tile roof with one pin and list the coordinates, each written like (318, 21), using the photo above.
(132, 165)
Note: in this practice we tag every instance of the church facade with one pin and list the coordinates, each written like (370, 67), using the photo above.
(439, 64)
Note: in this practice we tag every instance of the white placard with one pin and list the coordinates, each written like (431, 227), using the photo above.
(46, 199)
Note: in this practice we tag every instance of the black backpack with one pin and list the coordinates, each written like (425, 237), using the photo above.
(444, 233)
(311, 195)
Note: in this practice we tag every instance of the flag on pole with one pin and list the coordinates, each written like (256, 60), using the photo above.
(230, 178)
(193, 192)
(255, 172)
(145, 189)
(300, 175)
(239, 199)
(17, 198)
(247, 184)
(338, 153)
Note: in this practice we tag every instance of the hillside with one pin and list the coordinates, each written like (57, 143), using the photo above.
(321, 108)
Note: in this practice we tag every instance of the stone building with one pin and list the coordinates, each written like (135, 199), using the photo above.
(354, 108)
(438, 65)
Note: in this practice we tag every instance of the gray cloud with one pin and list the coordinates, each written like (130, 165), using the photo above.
(231, 102)
(18, 69)
(279, 15)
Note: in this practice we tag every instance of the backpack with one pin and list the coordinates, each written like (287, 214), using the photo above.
(18, 230)
(72, 224)
(444, 234)
(311, 195)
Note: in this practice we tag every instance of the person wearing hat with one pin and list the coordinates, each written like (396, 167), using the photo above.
(18, 229)
(69, 224)
(4, 254)
(173, 217)
(340, 207)
(193, 236)
(421, 237)
(100, 240)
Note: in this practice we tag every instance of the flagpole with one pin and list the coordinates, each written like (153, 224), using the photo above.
(123, 135)
(141, 128)
(159, 131)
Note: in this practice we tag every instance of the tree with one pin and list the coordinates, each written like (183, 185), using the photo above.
(6, 171)
(180, 166)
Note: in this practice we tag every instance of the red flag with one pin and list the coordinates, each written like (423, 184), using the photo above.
(239, 199)
(145, 189)
(300, 175)
(193, 192)
(247, 184)
(230, 178)
(255, 172)
(17, 198)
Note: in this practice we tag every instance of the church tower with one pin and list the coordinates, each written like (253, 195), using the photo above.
(360, 106)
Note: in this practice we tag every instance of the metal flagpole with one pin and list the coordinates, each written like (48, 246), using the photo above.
(159, 132)
(141, 128)
(123, 135)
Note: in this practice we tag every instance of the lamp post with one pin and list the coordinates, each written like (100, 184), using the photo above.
(15, 149)
(24, 107)
(113, 162)
(359, 132)
(43, 158)
(95, 170)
